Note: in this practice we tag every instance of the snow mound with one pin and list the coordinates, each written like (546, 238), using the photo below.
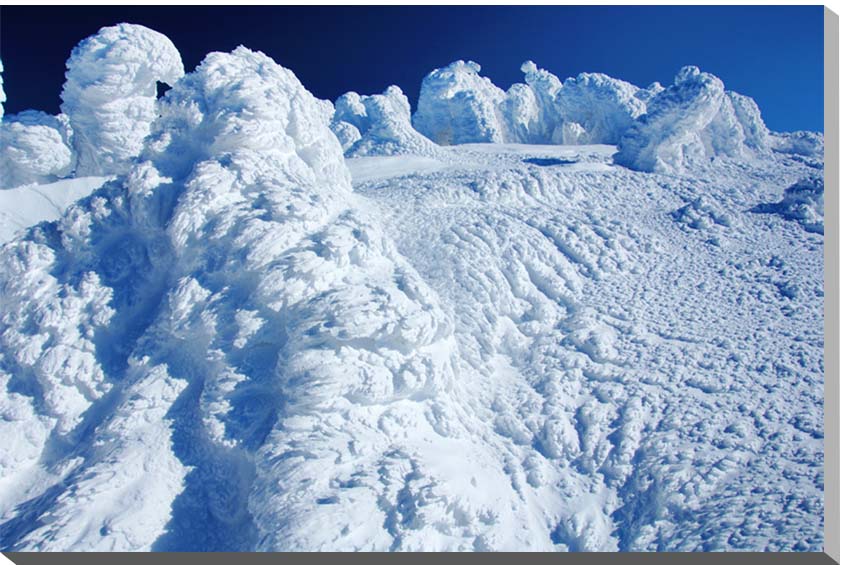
(689, 124)
(802, 202)
(110, 94)
(700, 214)
(34, 148)
(379, 124)
(545, 88)
(457, 105)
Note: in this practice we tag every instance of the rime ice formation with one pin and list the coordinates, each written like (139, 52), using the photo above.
(34, 148)
(379, 124)
(289, 325)
(603, 108)
(545, 88)
(110, 94)
(691, 123)
(457, 106)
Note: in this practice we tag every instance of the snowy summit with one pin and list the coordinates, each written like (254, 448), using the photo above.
(576, 315)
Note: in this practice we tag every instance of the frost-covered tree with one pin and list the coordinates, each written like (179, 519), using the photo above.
(111, 91)
(457, 105)
(2, 91)
(34, 148)
(690, 123)
(379, 124)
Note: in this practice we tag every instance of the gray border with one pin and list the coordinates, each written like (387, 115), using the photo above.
(832, 521)
(832, 423)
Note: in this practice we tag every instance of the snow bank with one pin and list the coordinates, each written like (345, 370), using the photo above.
(379, 124)
(802, 202)
(690, 123)
(34, 148)
(110, 94)
(457, 105)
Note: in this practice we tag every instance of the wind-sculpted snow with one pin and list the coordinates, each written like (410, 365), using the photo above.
(457, 105)
(633, 344)
(379, 124)
(34, 148)
(802, 202)
(230, 320)
(110, 94)
(690, 124)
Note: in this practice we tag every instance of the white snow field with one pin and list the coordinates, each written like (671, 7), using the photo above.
(244, 339)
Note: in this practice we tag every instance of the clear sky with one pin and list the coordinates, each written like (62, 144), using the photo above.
(772, 53)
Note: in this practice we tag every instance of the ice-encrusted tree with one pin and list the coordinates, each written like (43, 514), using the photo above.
(691, 123)
(34, 148)
(457, 105)
(111, 91)
(379, 124)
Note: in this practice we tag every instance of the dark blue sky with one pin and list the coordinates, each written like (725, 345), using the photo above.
(772, 53)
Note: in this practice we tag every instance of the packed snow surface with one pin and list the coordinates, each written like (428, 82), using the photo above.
(278, 323)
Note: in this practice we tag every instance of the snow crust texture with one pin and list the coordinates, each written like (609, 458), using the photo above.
(110, 94)
(279, 323)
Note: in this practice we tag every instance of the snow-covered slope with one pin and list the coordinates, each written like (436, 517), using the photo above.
(247, 341)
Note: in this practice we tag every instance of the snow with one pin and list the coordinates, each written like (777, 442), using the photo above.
(457, 105)
(364, 169)
(34, 148)
(28, 205)
(110, 94)
(284, 324)
(802, 202)
(379, 124)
